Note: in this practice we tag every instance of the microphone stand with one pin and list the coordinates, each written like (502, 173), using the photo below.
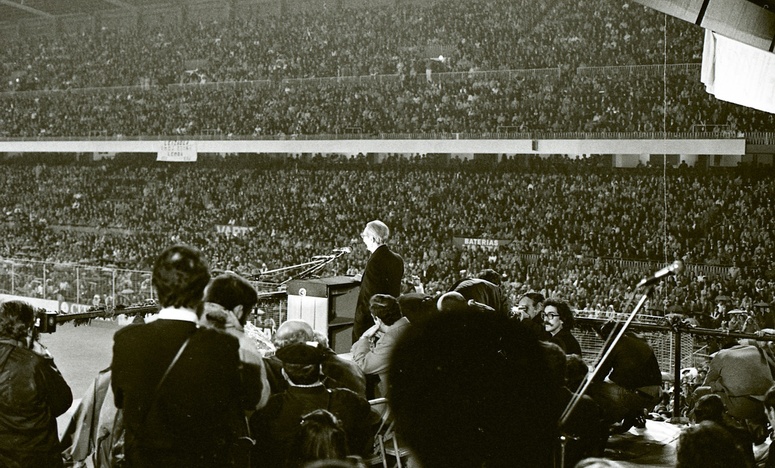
(599, 364)
(317, 265)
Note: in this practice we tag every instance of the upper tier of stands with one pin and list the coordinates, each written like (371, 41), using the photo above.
(346, 70)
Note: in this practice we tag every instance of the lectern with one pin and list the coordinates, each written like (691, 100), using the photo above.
(328, 304)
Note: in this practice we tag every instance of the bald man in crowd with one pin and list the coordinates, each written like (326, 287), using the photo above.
(337, 372)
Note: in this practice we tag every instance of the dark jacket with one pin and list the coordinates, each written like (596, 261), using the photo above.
(32, 394)
(382, 275)
(337, 373)
(485, 292)
(565, 340)
(632, 364)
(274, 426)
(192, 422)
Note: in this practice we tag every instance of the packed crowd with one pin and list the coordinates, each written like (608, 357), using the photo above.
(594, 33)
(388, 40)
(572, 228)
(471, 104)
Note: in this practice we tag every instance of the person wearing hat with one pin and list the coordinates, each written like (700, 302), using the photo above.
(337, 371)
(372, 351)
(275, 425)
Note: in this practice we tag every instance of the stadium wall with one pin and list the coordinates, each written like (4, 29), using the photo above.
(624, 148)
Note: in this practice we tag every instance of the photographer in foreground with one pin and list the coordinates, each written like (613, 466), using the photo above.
(32, 393)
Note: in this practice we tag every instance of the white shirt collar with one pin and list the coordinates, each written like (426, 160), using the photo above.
(178, 313)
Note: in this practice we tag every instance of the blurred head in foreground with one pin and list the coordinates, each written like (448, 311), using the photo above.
(472, 389)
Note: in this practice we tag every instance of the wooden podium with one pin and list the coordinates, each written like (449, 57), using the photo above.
(328, 304)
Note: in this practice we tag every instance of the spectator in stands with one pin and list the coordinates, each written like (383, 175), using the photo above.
(337, 371)
(372, 351)
(558, 321)
(473, 389)
(382, 274)
(34, 393)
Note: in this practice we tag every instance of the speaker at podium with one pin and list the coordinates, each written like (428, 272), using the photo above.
(328, 304)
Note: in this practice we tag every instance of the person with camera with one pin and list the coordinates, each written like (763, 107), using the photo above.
(32, 393)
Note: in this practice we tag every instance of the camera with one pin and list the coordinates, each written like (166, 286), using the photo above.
(45, 321)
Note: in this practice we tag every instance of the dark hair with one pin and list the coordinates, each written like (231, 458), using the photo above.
(180, 275)
(566, 315)
(769, 398)
(385, 307)
(708, 445)
(16, 318)
(230, 290)
(536, 297)
(488, 274)
(302, 374)
(417, 307)
(709, 408)
(459, 384)
(576, 369)
(320, 437)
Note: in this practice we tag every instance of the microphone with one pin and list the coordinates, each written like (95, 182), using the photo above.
(675, 268)
(343, 250)
(479, 306)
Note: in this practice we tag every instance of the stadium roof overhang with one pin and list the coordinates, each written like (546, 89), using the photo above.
(751, 22)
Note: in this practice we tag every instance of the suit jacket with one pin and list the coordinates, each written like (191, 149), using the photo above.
(375, 360)
(382, 275)
(198, 409)
(486, 293)
(741, 376)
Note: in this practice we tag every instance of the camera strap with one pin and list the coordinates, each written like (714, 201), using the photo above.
(155, 396)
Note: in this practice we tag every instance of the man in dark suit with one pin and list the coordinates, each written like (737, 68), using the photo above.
(382, 275)
(190, 420)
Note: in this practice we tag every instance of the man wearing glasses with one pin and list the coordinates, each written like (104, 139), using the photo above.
(382, 275)
(558, 322)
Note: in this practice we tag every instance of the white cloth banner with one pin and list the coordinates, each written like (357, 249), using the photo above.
(738, 73)
(177, 151)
